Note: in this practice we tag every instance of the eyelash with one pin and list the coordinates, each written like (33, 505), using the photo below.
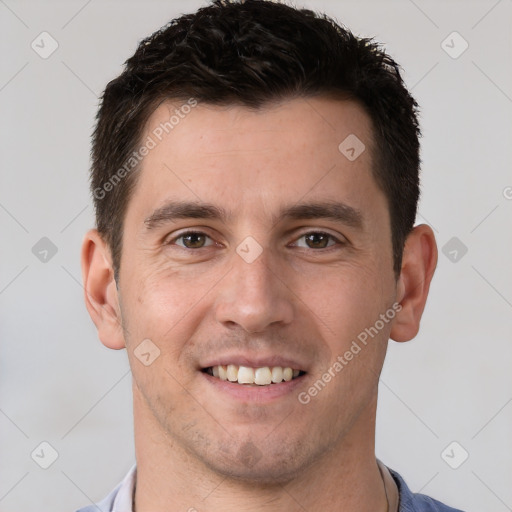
(337, 244)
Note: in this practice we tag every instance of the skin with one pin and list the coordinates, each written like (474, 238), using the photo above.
(195, 445)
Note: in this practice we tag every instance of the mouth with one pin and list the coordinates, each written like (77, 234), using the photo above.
(248, 376)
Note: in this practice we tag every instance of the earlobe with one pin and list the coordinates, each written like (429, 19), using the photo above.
(101, 297)
(418, 266)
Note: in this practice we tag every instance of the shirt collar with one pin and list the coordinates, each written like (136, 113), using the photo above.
(391, 487)
(125, 496)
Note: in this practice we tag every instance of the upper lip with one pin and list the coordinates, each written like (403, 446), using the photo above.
(255, 361)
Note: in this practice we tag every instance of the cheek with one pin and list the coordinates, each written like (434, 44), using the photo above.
(351, 302)
(154, 308)
(167, 306)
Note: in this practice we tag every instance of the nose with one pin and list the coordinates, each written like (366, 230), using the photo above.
(254, 296)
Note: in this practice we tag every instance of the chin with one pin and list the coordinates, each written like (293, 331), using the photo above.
(262, 464)
(265, 474)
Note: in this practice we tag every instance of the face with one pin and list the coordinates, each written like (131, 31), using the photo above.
(253, 240)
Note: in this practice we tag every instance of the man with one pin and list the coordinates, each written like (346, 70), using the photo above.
(255, 177)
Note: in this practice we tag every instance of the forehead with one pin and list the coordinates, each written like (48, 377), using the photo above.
(256, 159)
(321, 121)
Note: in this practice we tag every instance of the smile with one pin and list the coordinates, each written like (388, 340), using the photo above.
(262, 376)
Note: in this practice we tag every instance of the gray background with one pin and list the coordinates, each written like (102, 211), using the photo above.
(60, 385)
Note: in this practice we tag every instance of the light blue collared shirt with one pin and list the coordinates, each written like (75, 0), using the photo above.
(121, 498)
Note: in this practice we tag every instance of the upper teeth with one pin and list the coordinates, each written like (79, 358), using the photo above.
(246, 375)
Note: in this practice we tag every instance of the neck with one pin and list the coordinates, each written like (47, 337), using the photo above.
(170, 479)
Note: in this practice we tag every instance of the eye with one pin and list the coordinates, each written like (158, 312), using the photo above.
(318, 240)
(199, 240)
(191, 240)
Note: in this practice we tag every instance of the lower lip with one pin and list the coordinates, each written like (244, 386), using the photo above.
(255, 393)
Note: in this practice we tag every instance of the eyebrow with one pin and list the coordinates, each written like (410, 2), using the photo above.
(332, 210)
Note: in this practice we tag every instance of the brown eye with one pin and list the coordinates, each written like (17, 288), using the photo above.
(317, 240)
(192, 240)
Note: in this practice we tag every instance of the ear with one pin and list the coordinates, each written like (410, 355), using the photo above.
(101, 298)
(418, 265)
